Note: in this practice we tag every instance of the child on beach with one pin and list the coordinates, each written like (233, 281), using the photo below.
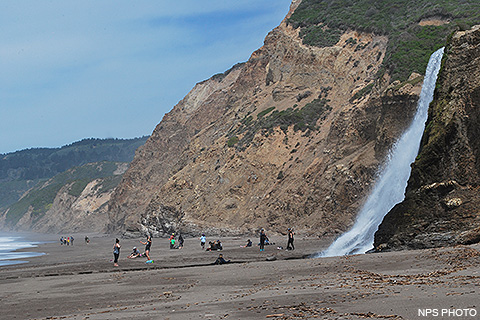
(116, 252)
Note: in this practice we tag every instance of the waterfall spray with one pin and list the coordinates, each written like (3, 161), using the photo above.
(389, 189)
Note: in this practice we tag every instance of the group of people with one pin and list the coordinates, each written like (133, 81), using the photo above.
(66, 241)
(213, 246)
(264, 241)
(173, 242)
(135, 253)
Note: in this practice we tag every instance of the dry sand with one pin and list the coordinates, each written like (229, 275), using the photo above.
(80, 282)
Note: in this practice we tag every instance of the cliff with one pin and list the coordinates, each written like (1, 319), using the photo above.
(292, 137)
(442, 201)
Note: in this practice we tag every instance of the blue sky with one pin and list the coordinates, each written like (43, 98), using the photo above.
(77, 69)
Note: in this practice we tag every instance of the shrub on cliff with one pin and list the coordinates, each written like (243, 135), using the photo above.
(410, 44)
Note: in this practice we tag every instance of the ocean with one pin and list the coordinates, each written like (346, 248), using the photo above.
(9, 243)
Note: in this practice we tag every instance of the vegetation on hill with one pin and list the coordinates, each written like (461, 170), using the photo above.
(38, 163)
(41, 198)
(300, 118)
(21, 170)
(410, 44)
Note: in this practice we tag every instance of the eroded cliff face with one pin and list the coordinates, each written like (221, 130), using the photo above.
(442, 199)
(292, 137)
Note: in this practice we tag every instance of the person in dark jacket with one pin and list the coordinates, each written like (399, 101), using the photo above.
(221, 260)
(263, 237)
(290, 245)
(116, 252)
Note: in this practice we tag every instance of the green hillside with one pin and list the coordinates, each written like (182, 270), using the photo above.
(410, 44)
(21, 170)
(40, 198)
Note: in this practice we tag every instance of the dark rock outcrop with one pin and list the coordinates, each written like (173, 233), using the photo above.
(442, 201)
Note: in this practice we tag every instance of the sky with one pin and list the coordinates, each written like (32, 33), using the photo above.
(111, 69)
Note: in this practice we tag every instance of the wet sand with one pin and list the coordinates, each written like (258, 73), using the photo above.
(80, 282)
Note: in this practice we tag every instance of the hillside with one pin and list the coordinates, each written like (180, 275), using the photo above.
(294, 136)
(22, 170)
(74, 200)
(415, 28)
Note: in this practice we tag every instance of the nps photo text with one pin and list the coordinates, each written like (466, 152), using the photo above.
(467, 312)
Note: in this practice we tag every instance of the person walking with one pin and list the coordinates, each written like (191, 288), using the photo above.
(116, 252)
(180, 241)
(290, 245)
(263, 237)
(148, 245)
(203, 239)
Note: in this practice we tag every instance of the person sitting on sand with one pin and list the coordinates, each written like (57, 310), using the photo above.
(148, 245)
(221, 260)
(249, 244)
(212, 246)
(135, 253)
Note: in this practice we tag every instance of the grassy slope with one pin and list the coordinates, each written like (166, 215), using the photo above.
(410, 45)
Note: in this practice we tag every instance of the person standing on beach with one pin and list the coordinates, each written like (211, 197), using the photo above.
(180, 241)
(116, 252)
(203, 239)
(71, 240)
(263, 237)
(147, 244)
(172, 241)
(290, 245)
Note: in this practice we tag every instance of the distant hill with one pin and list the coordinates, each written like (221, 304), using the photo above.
(72, 200)
(22, 170)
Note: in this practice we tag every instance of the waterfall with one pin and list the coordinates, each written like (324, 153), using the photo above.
(389, 189)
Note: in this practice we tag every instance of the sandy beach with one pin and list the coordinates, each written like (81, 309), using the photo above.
(80, 282)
